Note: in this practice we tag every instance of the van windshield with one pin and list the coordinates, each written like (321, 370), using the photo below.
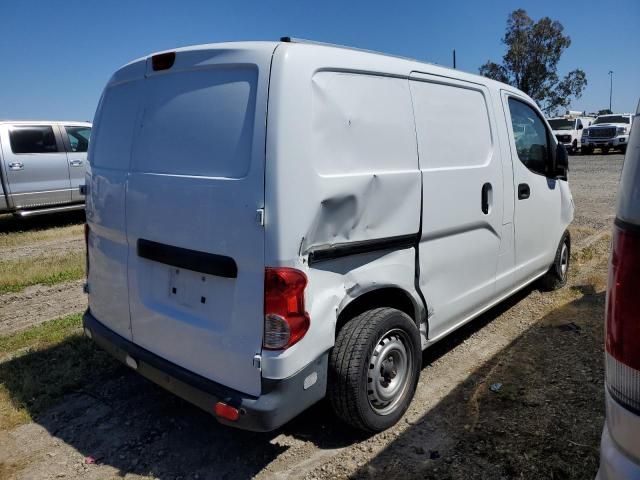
(562, 124)
(611, 119)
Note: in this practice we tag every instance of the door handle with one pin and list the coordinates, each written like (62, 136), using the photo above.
(487, 191)
(16, 166)
(75, 163)
(524, 191)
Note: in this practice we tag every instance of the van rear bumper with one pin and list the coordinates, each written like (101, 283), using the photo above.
(279, 402)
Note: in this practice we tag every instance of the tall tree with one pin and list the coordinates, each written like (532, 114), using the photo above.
(531, 62)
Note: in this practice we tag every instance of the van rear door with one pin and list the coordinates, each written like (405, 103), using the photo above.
(195, 188)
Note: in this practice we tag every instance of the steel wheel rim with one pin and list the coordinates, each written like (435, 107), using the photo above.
(564, 260)
(390, 371)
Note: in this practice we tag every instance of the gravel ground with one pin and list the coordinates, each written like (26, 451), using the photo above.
(594, 185)
(542, 422)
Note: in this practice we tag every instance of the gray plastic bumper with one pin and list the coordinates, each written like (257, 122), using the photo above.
(279, 402)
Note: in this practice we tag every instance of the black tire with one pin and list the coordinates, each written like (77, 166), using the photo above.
(558, 273)
(623, 150)
(584, 150)
(605, 150)
(353, 394)
(574, 147)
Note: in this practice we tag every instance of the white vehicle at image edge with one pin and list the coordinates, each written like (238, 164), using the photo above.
(568, 129)
(607, 132)
(42, 165)
(620, 446)
(270, 223)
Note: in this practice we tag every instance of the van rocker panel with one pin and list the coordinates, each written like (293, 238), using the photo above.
(279, 402)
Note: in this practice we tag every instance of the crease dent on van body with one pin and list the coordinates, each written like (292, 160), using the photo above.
(355, 208)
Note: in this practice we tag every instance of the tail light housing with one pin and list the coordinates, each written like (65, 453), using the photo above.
(285, 318)
(623, 317)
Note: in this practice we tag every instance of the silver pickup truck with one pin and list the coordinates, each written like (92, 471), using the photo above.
(42, 165)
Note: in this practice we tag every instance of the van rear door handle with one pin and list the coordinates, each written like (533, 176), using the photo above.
(487, 194)
(16, 166)
(524, 191)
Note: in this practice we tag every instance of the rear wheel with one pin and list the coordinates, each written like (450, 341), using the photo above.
(374, 369)
(557, 275)
(585, 150)
(623, 149)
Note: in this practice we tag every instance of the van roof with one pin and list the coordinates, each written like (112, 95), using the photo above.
(402, 65)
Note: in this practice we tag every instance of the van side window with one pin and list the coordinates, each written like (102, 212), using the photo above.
(530, 135)
(78, 138)
(33, 139)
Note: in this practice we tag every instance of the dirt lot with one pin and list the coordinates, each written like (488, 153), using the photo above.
(516, 393)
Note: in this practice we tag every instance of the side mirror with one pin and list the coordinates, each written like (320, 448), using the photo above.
(561, 162)
(580, 127)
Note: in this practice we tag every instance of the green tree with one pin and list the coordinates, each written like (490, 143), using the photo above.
(606, 111)
(531, 62)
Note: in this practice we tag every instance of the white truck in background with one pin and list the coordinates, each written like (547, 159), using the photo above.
(607, 132)
(568, 129)
(42, 165)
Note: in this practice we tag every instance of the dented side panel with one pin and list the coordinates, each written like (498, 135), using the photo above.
(341, 167)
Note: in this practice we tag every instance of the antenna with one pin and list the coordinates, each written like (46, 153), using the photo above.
(454, 58)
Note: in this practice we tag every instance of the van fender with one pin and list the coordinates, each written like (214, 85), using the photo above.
(340, 286)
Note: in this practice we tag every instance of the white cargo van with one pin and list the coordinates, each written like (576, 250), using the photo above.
(273, 222)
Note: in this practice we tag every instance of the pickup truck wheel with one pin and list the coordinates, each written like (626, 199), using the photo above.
(557, 275)
(374, 369)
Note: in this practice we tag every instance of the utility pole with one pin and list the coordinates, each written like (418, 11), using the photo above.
(610, 88)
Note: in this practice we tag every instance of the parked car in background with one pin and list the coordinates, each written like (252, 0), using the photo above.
(620, 447)
(568, 129)
(272, 222)
(607, 132)
(42, 165)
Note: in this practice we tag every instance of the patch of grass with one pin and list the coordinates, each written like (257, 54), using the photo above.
(44, 363)
(16, 239)
(16, 274)
(41, 336)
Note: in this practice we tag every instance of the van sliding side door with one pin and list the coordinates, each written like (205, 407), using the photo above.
(460, 162)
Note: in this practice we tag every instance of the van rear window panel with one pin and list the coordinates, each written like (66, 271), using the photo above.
(198, 123)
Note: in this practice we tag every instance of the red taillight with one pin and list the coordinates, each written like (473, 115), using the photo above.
(227, 412)
(163, 61)
(623, 317)
(285, 319)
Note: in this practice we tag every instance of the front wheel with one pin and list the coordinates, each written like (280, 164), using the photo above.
(374, 369)
(557, 275)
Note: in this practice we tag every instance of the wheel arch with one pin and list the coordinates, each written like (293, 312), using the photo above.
(384, 296)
